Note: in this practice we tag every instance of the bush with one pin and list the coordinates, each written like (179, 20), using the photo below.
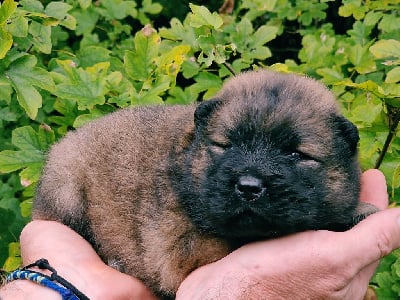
(64, 63)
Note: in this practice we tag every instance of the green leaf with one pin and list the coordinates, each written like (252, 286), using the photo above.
(31, 174)
(372, 18)
(25, 138)
(206, 82)
(151, 8)
(7, 115)
(30, 155)
(67, 112)
(360, 33)
(26, 208)
(24, 76)
(91, 55)
(86, 20)
(84, 4)
(28, 97)
(40, 36)
(353, 8)
(389, 23)
(385, 282)
(368, 86)
(5, 42)
(14, 260)
(396, 184)
(260, 52)
(178, 97)
(5, 90)
(118, 9)
(206, 43)
(369, 147)
(190, 68)
(148, 8)
(180, 32)
(18, 27)
(6, 216)
(361, 59)
(139, 64)
(366, 113)
(243, 30)
(85, 118)
(317, 49)
(208, 46)
(330, 75)
(58, 10)
(170, 62)
(46, 137)
(201, 16)
(393, 75)
(32, 5)
(386, 49)
(264, 34)
(85, 86)
(7, 8)
(14, 160)
(262, 5)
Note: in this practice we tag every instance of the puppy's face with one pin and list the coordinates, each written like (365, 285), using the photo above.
(272, 156)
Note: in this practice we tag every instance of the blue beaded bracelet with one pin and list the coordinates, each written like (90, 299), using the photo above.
(54, 282)
(42, 280)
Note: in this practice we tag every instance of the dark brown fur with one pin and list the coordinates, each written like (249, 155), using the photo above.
(143, 184)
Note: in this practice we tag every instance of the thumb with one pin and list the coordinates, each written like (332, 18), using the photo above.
(373, 238)
(374, 188)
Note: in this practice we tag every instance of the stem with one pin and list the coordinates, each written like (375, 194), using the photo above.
(29, 48)
(394, 119)
(230, 68)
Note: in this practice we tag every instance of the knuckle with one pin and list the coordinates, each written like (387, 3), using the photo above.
(383, 243)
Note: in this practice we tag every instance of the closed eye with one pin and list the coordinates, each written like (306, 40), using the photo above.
(219, 147)
(301, 156)
(222, 145)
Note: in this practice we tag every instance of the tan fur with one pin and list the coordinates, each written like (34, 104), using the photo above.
(92, 154)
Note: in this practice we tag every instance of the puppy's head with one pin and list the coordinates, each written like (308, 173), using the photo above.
(272, 155)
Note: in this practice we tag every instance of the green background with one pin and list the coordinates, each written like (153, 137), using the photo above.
(64, 63)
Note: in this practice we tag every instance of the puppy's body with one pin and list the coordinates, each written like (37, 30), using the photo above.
(163, 190)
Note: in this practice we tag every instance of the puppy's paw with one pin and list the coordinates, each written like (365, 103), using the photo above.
(117, 264)
(362, 211)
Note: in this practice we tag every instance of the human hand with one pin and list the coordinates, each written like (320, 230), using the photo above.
(76, 261)
(307, 265)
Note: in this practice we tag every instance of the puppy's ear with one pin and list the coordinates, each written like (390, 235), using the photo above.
(347, 130)
(204, 111)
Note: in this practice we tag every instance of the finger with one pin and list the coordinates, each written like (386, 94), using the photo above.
(374, 189)
(357, 287)
(35, 243)
(365, 275)
(371, 239)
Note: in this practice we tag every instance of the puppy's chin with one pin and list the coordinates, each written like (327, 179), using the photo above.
(247, 225)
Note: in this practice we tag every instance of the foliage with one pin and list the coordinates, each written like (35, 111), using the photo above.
(64, 63)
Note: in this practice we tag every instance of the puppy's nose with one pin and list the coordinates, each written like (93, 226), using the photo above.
(249, 188)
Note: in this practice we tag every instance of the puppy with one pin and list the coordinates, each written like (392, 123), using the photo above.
(163, 190)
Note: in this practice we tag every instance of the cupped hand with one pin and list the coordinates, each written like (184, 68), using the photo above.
(307, 265)
(75, 260)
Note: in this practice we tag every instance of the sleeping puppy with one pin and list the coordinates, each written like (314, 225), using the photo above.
(162, 190)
